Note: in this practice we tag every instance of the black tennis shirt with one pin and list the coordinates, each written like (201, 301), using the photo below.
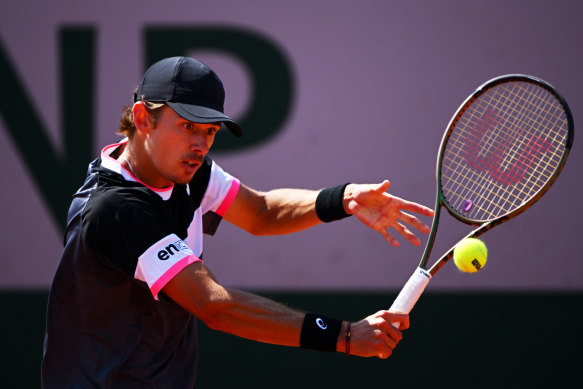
(107, 324)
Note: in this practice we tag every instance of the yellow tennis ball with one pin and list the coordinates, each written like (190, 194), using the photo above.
(470, 255)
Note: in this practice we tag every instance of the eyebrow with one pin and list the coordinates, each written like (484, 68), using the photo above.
(217, 125)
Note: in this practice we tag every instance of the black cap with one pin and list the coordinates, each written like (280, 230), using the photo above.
(190, 88)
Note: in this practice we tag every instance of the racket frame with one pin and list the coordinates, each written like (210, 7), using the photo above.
(484, 226)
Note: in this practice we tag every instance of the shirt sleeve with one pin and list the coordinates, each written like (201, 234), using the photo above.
(126, 231)
(162, 261)
(220, 194)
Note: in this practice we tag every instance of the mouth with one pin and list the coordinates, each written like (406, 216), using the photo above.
(191, 166)
(192, 161)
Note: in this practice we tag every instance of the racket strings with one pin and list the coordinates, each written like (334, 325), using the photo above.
(544, 107)
(488, 143)
(535, 118)
(504, 147)
(497, 195)
(491, 145)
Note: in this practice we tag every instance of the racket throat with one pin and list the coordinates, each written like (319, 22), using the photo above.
(431, 239)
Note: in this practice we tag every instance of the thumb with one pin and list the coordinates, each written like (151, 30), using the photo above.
(383, 186)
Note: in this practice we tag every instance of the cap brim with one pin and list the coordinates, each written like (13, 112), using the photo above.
(199, 114)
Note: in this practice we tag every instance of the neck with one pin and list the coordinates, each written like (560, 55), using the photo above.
(139, 170)
(125, 157)
(128, 165)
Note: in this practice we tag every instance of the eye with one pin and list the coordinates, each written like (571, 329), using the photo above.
(189, 125)
(212, 130)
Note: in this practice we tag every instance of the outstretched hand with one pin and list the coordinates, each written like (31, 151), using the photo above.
(379, 210)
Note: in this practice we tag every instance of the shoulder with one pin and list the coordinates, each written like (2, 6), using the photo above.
(121, 222)
(118, 205)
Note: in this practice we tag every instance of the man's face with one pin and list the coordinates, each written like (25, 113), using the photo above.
(177, 147)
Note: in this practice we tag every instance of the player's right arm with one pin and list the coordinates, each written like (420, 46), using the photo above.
(254, 317)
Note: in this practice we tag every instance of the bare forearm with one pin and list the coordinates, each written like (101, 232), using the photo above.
(254, 317)
(233, 311)
(260, 319)
(291, 210)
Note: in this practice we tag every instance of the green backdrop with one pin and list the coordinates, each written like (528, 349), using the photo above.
(457, 340)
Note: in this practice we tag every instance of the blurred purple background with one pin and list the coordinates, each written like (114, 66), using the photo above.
(376, 82)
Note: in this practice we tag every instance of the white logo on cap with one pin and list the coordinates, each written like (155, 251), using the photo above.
(321, 323)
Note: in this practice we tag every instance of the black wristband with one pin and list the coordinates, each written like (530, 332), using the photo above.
(329, 204)
(320, 332)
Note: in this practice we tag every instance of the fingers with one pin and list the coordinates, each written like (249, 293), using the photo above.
(375, 207)
(414, 222)
(407, 234)
(404, 231)
(401, 229)
(411, 220)
(386, 352)
(375, 336)
(388, 237)
(391, 337)
(417, 208)
(383, 343)
(401, 318)
(384, 186)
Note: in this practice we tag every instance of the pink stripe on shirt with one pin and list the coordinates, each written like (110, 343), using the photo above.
(229, 198)
(171, 273)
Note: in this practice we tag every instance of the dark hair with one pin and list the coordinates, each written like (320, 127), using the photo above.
(126, 123)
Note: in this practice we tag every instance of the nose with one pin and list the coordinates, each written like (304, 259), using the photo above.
(200, 142)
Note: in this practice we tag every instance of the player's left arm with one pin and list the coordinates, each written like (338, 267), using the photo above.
(254, 317)
(283, 211)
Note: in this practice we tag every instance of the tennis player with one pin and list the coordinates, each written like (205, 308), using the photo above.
(131, 281)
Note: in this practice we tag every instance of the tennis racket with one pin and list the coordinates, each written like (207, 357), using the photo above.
(502, 150)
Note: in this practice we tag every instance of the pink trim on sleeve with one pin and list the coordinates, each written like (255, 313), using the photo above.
(229, 197)
(171, 273)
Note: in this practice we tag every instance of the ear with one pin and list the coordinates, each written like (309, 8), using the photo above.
(142, 119)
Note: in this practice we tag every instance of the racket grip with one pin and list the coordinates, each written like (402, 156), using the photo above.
(410, 293)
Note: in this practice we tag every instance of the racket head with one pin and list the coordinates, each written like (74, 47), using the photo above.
(503, 149)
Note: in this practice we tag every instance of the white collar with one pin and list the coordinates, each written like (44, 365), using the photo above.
(114, 165)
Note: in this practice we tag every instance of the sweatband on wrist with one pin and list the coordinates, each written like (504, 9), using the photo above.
(329, 204)
(320, 332)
